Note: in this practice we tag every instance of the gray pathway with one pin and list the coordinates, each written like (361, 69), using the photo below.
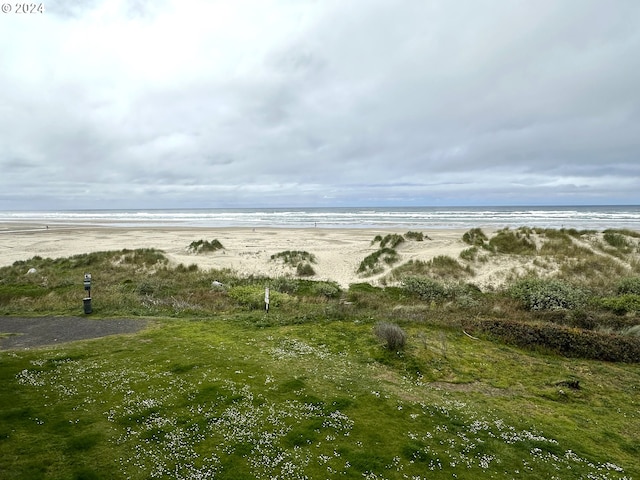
(21, 333)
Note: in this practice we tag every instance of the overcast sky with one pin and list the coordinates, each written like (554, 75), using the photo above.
(203, 103)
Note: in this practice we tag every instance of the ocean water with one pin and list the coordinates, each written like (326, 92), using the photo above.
(417, 218)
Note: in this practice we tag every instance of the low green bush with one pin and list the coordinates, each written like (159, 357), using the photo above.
(285, 285)
(326, 289)
(294, 257)
(391, 240)
(469, 254)
(203, 246)
(475, 236)
(371, 263)
(624, 231)
(569, 342)
(304, 269)
(425, 288)
(628, 285)
(252, 297)
(620, 305)
(144, 257)
(512, 242)
(415, 236)
(547, 294)
(615, 239)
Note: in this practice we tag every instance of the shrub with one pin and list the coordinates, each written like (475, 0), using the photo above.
(371, 263)
(416, 236)
(285, 285)
(569, 342)
(252, 297)
(426, 288)
(441, 267)
(547, 294)
(392, 240)
(202, 246)
(469, 254)
(475, 236)
(294, 257)
(624, 231)
(326, 289)
(507, 241)
(620, 305)
(615, 239)
(140, 256)
(304, 269)
(391, 334)
(629, 285)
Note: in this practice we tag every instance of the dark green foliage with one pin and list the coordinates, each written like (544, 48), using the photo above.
(294, 257)
(624, 231)
(204, 246)
(182, 268)
(415, 236)
(298, 259)
(475, 236)
(371, 263)
(146, 257)
(568, 342)
(441, 267)
(447, 267)
(629, 285)
(393, 337)
(469, 254)
(326, 289)
(252, 297)
(304, 269)
(620, 305)
(615, 239)
(512, 242)
(286, 285)
(425, 288)
(391, 240)
(547, 294)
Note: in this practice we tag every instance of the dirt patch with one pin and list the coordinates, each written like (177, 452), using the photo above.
(24, 333)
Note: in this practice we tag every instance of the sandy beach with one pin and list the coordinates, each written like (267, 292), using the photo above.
(246, 251)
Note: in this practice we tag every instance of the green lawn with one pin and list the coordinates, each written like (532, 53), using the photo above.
(249, 396)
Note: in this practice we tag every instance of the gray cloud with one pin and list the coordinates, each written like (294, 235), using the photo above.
(204, 104)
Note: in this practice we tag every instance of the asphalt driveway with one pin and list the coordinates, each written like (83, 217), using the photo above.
(22, 333)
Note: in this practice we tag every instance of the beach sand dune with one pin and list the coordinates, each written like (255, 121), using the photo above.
(247, 251)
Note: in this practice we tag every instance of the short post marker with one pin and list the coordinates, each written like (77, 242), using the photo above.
(266, 299)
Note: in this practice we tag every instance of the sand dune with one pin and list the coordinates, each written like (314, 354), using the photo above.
(246, 251)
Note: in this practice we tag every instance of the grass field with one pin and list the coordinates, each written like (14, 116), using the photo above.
(217, 388)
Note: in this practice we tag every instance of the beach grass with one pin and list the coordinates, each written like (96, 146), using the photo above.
(536, 379)
(205, 246)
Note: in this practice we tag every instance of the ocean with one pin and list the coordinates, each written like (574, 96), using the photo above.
(416, 218)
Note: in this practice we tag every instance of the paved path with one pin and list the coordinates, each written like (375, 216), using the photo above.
(21, 333)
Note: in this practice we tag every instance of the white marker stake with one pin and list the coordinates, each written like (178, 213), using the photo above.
(266, 298)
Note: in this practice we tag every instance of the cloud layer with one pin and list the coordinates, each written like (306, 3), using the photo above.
(198, 103)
